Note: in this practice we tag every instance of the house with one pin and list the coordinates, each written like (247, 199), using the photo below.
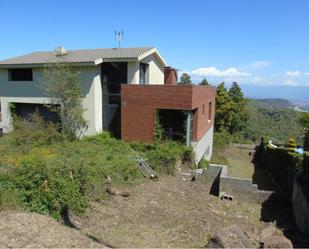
(126, 91)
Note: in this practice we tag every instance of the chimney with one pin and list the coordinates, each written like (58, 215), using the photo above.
(170, 76)
(60, 51)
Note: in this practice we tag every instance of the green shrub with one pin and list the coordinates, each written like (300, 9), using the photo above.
(64, 175)
(44, 190)
(222, 139)
(291, 144)
(34, 130)
(163, 156)
(203, 164)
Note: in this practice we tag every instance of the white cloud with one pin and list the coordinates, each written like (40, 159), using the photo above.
(290, 82)
(306, 74)
(214, 72)
(257, 79)
(293, 74)
(258, 65)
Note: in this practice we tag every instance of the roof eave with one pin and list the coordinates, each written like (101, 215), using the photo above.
(156, 53)
(38, 65)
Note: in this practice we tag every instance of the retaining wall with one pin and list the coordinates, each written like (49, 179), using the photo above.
(300, 202)
(239, 188)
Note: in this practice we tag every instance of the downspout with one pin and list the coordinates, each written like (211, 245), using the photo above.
(188, 129)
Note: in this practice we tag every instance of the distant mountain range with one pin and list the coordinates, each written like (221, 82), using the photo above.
(296, 94)
(279, 104)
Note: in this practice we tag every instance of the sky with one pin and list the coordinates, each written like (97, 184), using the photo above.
(253, 42)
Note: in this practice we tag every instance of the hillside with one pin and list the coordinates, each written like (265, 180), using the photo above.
(271, 103)
(273, 119)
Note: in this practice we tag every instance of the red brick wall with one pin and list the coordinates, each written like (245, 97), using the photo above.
(170, 76)
(140, 102)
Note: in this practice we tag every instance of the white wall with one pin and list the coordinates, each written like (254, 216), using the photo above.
(203, 148)
(154, 74)
(30, 92)
(155, 70)
(133, 72)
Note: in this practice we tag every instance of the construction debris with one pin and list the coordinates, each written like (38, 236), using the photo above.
(145, 168)
(119, 192)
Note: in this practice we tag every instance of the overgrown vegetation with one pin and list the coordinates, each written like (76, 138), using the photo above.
(46, 173)
(303, 121)
(282, 163)
(230, 120)
(62, 85)
(272, 122)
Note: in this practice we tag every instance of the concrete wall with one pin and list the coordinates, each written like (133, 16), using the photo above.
(203, 148)
(239, 188)
(243, 189)
(30, 92)
(300, 203)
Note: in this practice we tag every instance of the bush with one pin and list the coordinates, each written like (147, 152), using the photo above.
(292, 144)
(222, 139)
(34, 130)
(203, 164)
(54, 178)
(163, 156)
(42, 189)
(282, 163)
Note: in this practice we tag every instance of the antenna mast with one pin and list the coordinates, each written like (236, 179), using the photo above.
(119, 34)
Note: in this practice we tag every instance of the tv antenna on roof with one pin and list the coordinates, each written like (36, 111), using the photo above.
(119, 34)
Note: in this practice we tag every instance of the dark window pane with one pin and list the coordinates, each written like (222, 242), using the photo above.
(114, 74)
(21, 74)
(142, 73)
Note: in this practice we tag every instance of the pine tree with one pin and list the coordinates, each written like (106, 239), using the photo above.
(224, 107)
(204, 82)
(185, 79)
(239, 110)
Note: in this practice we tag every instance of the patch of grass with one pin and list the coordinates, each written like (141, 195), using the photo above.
(163, 156)
(50, 176)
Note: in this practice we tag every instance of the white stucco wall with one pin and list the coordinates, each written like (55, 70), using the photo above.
(154, 74)
(30, 92)
(155, 70)
(203, 148)
(133, 72)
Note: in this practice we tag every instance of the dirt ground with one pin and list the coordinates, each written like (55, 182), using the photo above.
(172, 212)
(20, 229)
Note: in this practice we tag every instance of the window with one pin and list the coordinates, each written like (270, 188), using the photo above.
(209, 111)
(142, 73)
(203, 110)
(21, 74)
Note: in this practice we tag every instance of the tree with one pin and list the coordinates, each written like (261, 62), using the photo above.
(240, 111)
(304, 122)
(185, 79)
(224, 107)
(62, 85)
(204, 82)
